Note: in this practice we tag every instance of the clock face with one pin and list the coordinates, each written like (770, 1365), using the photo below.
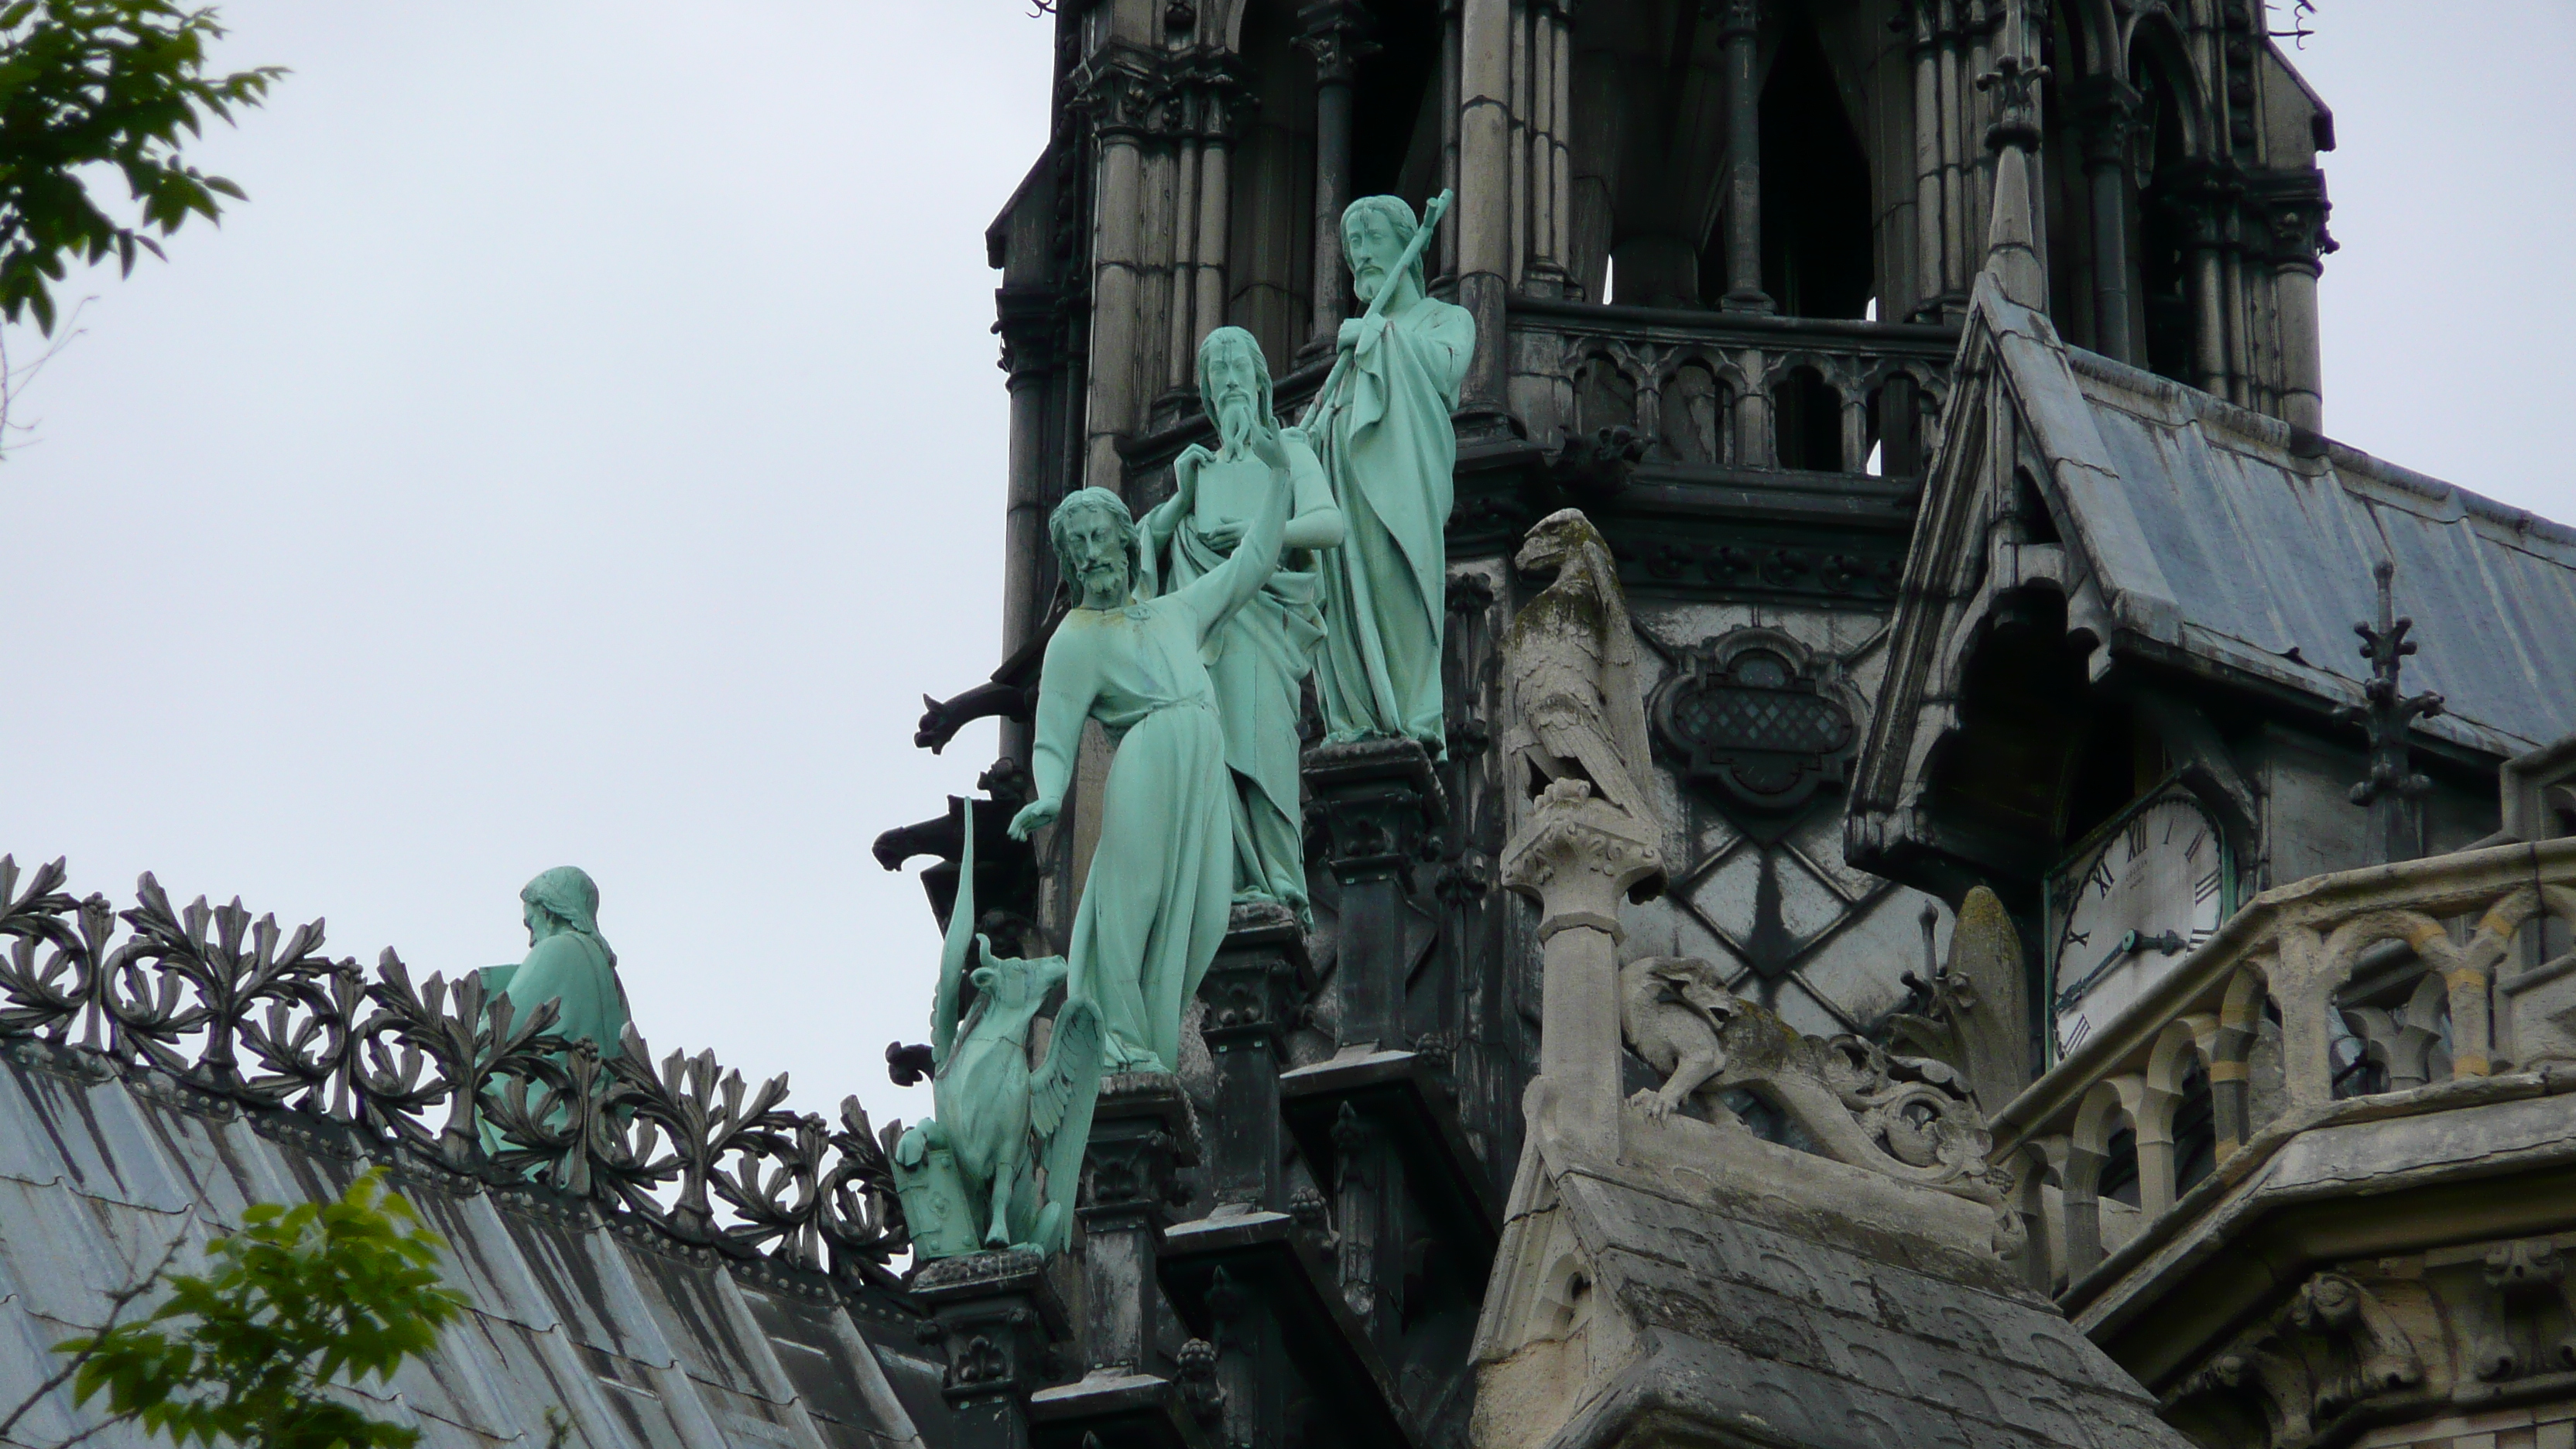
(2129, 908)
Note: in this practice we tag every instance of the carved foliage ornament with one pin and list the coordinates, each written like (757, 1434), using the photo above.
(251, 1018)
(1755, 717)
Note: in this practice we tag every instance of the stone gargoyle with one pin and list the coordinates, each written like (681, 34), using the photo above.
(968, 1176)
(1905, 1117)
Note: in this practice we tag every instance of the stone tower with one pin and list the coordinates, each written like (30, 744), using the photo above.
(1719, 254)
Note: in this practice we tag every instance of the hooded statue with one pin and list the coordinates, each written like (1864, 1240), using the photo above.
(1259, 658)
(568, 963)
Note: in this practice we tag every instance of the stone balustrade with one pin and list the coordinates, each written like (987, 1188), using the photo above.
(2398, 991)
(1706, 389)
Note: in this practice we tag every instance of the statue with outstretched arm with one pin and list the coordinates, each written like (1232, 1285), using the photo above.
(1161, 884)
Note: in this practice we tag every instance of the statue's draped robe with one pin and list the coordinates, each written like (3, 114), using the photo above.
(1389, 450)
(577, 971)
(1257, 662)
(1155, 904)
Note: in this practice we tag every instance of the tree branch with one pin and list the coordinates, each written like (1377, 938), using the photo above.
(118, 1301)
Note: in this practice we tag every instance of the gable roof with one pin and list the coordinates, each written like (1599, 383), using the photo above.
(642, 1342)
(2249, 544)
(1813, 1339)
(2198, 533)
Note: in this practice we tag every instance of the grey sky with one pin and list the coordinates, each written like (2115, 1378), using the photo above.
(585, 447)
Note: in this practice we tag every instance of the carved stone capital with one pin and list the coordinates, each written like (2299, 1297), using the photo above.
(2292, 208)
(998, 1319)
(2107, 110)
(1206, 96)
(1029, 320)
(1122, 90)
(2208, 201)
(1140, 1139)
(1378, 804)
(1337, 33)
(1254, 987)
(1577, 855)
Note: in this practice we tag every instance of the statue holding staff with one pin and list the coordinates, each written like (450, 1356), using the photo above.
(1161, 887)
(1381, 424)
(1259, 659)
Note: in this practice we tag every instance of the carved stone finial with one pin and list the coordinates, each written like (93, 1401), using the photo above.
(2015, 82)
(2012, 249)
(2392, 790)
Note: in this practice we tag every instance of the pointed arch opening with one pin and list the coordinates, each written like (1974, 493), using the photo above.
(1816, 239)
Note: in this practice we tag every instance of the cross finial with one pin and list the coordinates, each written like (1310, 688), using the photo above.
(2392, 788)
(2015, 82)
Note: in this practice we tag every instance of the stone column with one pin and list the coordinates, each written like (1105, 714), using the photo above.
(1140, 1137)
(1952, 87)
(1577, 856)
(1379, 802)
(1335, 33)
(1032, 354)
(2107, 108)
(1252, 992)
(1119, 89)
(997, 1318)
(1368, 1208)
(2206, 199)
(1484, 215)
(1928, 232)
(1550, 171)
(1739, 23)
(1223, 101)
(2297, 223)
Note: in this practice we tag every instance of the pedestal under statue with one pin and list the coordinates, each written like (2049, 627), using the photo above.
(1258, 660)
(1382, 428)
(1161, 885)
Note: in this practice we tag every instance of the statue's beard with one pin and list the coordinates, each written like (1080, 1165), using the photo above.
(1234, 424)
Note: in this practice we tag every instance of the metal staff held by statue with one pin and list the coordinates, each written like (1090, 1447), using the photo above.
(1432, 212)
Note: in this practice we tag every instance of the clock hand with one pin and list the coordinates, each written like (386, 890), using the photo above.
(2129, 944)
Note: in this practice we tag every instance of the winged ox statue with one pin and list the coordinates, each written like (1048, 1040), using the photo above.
(969, 1175)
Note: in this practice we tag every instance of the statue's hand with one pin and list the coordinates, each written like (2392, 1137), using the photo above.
(1034, 816)
(1185, 468)
(1267, 446)
(1360, 333)
(1223, 536)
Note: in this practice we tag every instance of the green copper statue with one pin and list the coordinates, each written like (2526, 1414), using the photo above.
(1381, 424)
(967, 1176)
(568, 962)
(1259, 658)
(1155, 904)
